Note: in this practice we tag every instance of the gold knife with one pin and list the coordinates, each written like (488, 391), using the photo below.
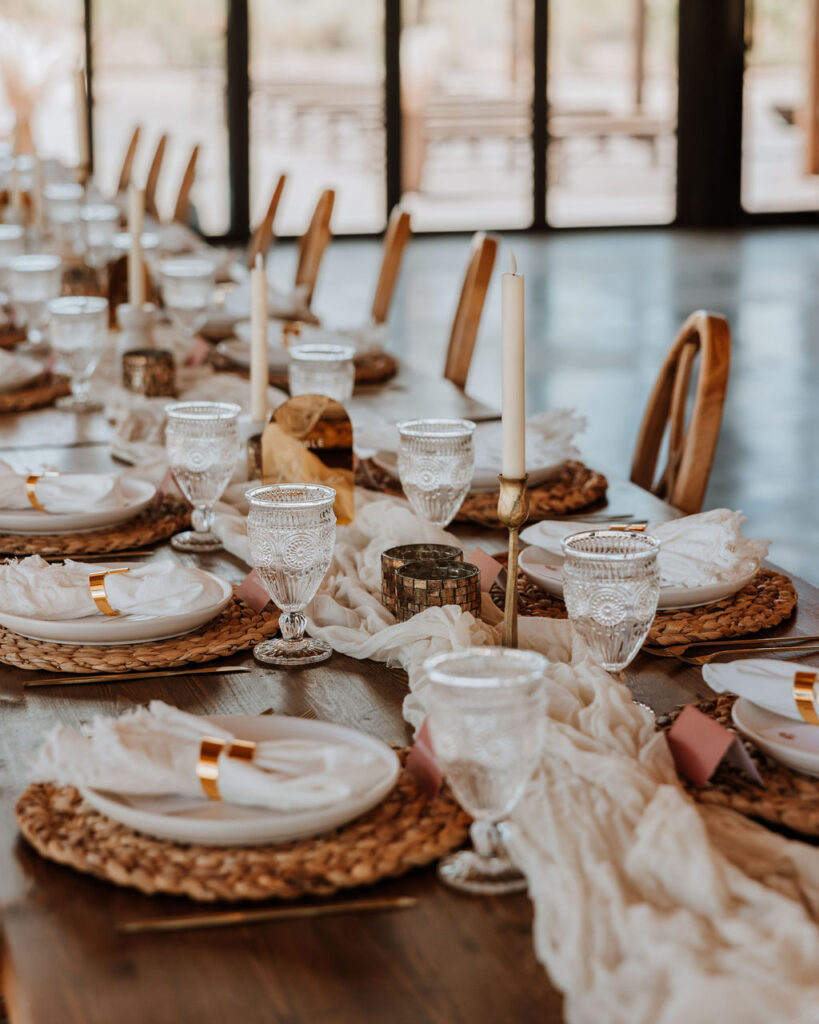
(116, 677)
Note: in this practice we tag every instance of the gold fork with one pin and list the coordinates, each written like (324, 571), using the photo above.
(763, 641)
(705, 659)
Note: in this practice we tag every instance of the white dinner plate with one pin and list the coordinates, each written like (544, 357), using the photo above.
(137, 495)
(795, 744)
(222, 824)
(546, 570)
(484, 478)
(103, 630)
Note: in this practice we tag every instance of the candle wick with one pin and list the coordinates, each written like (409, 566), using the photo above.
(513, 264)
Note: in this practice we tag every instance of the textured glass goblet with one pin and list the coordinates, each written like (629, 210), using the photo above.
(202, 441)
(101, 223)
(435, 463)
(322, 370)
(63, 201)
(35, 279)
(611, 584)
(486, 708)
(291, 529)
(187, 291)
(12, 243)
(79, 331)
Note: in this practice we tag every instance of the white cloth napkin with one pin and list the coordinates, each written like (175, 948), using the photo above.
(694, 550)
(16, 371)
(67, 492)
(38, 590)
(155, 750)
(767, 682)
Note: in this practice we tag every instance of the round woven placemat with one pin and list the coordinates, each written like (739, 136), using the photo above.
(43, 391)
(788, 798)
(160, 520)
(766, 601)
(237, 628)
(574, 486)
(10, 335)
(406, 830)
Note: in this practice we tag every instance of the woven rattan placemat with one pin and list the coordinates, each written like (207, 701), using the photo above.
(573, 487)
(163, 518)
(406, 830)
(766, 601)
(43, 391)
(788, 798)
(237, 628)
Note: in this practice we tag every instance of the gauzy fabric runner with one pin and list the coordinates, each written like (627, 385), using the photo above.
(649, 908)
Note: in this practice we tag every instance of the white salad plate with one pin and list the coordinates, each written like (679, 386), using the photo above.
(795, 744)
(137, 495)
(104, 630)
(546, 570)
(221, 824)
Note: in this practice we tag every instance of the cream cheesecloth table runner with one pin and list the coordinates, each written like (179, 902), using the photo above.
(649, 909)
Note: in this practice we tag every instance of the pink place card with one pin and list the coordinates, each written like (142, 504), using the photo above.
(421, 762)
(490, 567)
(699, 745)
(200, 350)
(168, 484)
(252, 591)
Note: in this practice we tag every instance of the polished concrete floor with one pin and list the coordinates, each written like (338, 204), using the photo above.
(602, 308)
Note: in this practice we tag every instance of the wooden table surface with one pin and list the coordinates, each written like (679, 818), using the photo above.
(451, 959)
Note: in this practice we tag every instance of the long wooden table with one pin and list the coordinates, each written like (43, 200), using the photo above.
(451, 959)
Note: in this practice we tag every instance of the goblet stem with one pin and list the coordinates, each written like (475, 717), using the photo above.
(202, 518)
(292, 625)
(486, 869)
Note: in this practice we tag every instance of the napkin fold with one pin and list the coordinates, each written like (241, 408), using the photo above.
(16, 371)
(35, 589)
(66, 492)
(694, 550)
(155, 751)
(766, 682)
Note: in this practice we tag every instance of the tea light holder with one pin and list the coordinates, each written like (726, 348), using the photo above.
(513, 511)
(149, 372)
(393, 558)
(422, 585)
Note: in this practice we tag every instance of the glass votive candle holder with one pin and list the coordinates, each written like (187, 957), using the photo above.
(322, 370)
(150, 372)
(422, 585)
(394, 558)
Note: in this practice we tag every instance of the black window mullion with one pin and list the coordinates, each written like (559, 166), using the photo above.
(392, 101)
(89, 83)
(540, 108)
(237, 109)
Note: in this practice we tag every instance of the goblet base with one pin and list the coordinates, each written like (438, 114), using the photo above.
(195, 543)
(73, 403)
(468, 871)
(306, 651)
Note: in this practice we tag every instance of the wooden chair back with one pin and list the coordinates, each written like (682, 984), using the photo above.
(692, 436)
(128, 161)
(263, 235)
(395, 239)
(470, 307)
(152, 180)
(313, 243)
(182, 208)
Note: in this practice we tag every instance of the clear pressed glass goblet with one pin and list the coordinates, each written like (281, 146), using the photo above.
(322, 370)
(12, 243)
(79, 331)
(35, 279)
(187, 291)
(435, 463)
(611, 584)
(63, 201)
(202, 441)
(101, 224)
(291, 529)
(486, 709)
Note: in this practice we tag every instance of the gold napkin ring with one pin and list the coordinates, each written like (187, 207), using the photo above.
(805, 697)
(628, 527)
(96, 584)
(207, 767)
(31, 491)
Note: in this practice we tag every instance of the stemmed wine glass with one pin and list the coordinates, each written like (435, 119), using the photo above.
(63, 201)
(12, 243)
(435, 463)
(202, 441)
(79, 331)
(187, 291)
(291, 529)
(101, 223)
(36, 278)
(486, 710)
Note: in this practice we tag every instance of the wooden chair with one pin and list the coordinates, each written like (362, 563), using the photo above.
(182, 208)
(313, 243)
(691, 444)
(263, 235)
(470, 307)
(128, 161)
(152, 180)
(395, 239)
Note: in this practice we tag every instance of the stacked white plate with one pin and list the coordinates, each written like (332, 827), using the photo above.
(137, 495)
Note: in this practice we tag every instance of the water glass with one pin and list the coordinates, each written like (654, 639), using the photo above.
(187, 291)
(435, 462)
(79, 331)
(101, 223)
(486, 709)
(35, 279)
(291, 529)
(322, 370)
(63, 201)
(611, 584)
(202, 441)
(12, 243)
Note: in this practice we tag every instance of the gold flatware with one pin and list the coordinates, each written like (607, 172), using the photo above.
(773, 641)
(309, 715)
(230, 918)
(705, 659)
(116, 677)
(104, 556)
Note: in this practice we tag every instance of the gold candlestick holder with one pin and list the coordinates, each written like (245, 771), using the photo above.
(513, 511)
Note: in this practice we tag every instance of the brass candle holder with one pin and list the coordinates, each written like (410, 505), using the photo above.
(513, 511)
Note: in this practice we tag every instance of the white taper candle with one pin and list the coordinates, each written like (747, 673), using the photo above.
(258, 341)
(513, 376)
(136, 277)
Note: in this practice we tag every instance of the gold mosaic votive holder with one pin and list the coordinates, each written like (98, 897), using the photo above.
(422, 585)
(394, 558)
(150, 372)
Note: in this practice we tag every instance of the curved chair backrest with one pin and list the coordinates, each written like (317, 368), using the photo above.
(263, 235)
(313, 243)
(152, 180)
(182, 208)
(470, 307)
(692, 437)
(128, 161)
(395, 240)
